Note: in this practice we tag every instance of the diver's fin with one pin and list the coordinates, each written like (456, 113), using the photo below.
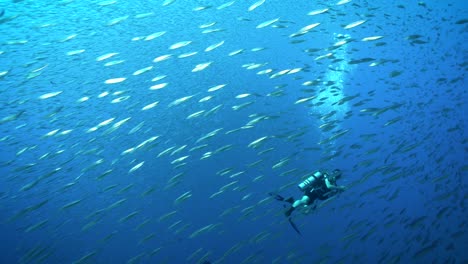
(288, 212)
(294, 226)
(277, 196)
(281, 198)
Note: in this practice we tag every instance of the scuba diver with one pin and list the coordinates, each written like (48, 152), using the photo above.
(321, 185)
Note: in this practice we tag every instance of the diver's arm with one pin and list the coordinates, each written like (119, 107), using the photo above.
(330, 186)
(341, 188)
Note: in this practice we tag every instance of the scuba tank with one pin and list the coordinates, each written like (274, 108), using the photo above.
(310, 181)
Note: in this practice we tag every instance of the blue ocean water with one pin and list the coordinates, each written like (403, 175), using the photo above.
(111, 153)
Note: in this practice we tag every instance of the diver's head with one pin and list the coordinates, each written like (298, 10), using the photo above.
(332, 177)
(336, 173)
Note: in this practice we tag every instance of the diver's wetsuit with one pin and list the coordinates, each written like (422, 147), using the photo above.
(319, 186)
(317, 191)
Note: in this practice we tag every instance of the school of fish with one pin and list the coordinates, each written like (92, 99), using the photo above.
(160, 127)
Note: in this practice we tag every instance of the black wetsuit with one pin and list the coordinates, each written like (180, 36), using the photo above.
(317, 192)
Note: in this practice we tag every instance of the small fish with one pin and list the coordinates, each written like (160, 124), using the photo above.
(162, 58)
(114, 80)
(158, 78)
(75, 52)
(393, 121)
(371, 38)
(129, 216)
(178, 150)
(49, 95)
(242, 95)
(140, 71)
(214, 46)
(256, 4)
(202, 230)
(3, 73)
(200, 8)
(180, 100)
(116, 204)
(121, 122)
(209, 135)
(225, 5)
(217, 87)
(116, 21)
(256, 143)
(165, 151)
(136, 167)
(158, 86)
(106, 3)
(179, 159)
(166, 216)
(237, 107)
(227, 186)
(239, 51)
(204, 99)
(267, 23)
(361, 60)
(143, 15)
(114, 62)
(168, 2)
(106, 56)
(51, 133)
(179, 45)
(355, 24)
(267, 71)
(309, 27)
(342, 2)
(2, 12)
(213, 110)
(201, 66)
(36, 226)
(106, 122)
(120, 99)
(150, 106)
(317, 12)
(147, 238)
(196, 114)
(303, 100)
(188, 54)
(206, 31)
(207, 25)
(281, 163)
(183, 197)
(154, 35)
(71, 204)
(69, 38)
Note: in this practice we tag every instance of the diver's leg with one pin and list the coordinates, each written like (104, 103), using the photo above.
(303, 201)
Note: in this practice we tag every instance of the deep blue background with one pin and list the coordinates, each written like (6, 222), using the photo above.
(406, 201)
